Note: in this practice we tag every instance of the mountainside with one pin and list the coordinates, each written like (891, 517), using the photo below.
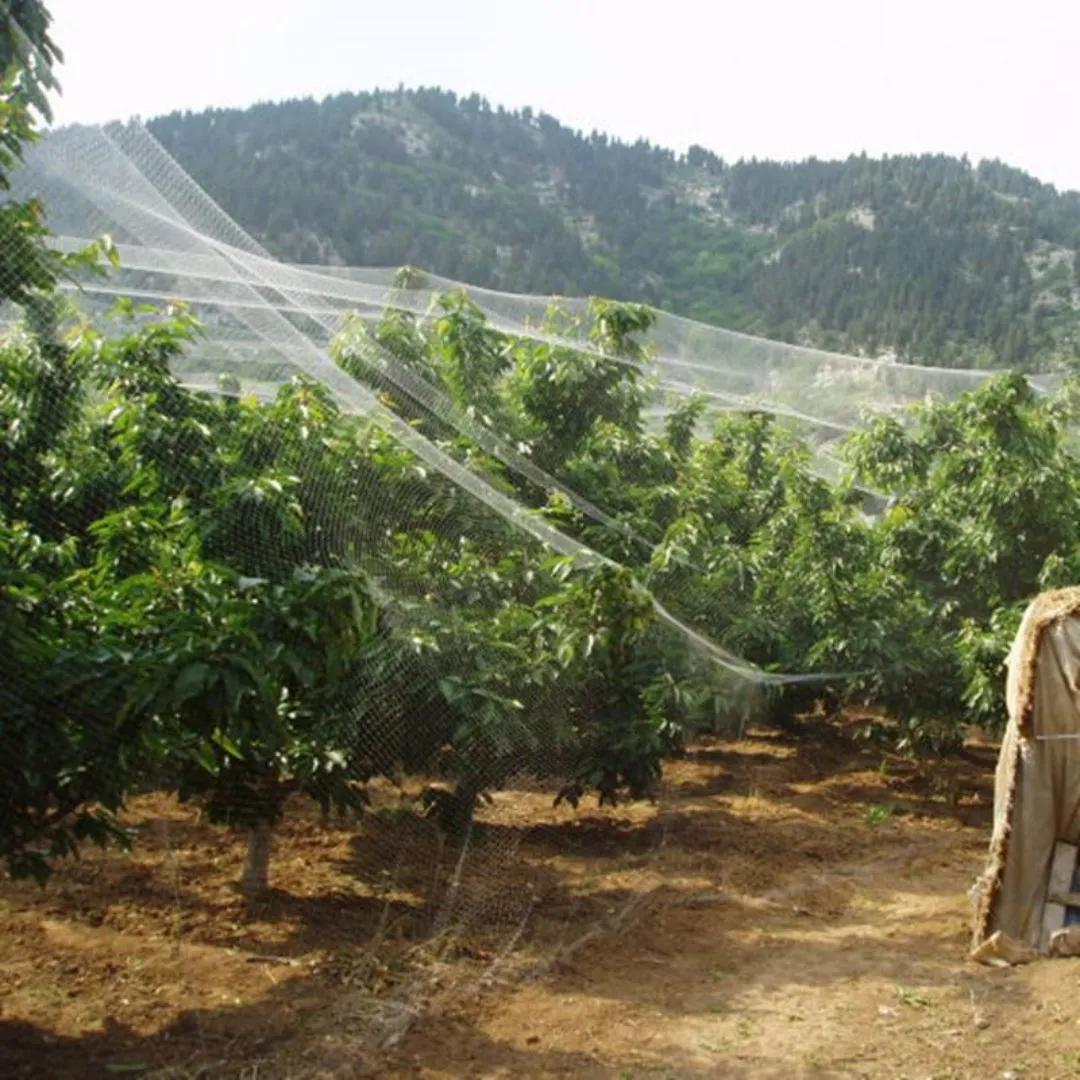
(929, 258)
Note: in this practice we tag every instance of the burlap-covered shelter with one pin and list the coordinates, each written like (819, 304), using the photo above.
(1037, 787)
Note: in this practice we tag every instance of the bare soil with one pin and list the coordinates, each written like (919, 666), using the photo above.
(792, 908)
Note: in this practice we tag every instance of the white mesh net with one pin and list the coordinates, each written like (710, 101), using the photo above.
(177, 245)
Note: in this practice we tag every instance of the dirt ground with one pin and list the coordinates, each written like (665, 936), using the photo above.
(792, 908)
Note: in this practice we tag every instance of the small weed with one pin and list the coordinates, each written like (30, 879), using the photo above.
(745, 1028)
(873, 732)
(1072, 1062)
(721, 1047)
(880, 814)
(912, 998)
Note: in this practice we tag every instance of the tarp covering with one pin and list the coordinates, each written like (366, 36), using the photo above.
(1037, 787)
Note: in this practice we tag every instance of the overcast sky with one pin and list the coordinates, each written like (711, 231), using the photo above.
(771, 78)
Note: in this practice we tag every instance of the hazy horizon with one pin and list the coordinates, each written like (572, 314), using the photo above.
(778, 81)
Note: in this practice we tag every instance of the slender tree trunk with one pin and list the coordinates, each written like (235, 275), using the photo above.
(256, 879)
(466, 796)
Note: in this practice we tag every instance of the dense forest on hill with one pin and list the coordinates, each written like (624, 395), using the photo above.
(931, 258)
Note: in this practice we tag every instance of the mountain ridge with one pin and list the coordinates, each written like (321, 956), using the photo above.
(927, 258)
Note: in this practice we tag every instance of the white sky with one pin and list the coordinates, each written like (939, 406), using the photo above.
(771, 78)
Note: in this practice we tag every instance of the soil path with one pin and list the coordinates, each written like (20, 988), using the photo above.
(794, 908)
(823, 935)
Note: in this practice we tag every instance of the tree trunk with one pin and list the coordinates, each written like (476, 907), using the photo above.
(466, 796)
(256, 878)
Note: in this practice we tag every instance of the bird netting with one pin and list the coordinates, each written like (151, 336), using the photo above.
(431, 555)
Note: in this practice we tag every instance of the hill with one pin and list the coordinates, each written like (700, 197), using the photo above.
(930, 258)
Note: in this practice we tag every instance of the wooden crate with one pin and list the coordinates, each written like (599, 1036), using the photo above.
(1060, 897)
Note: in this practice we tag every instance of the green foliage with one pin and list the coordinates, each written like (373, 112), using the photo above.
(620, 712)
(985, 512)
(172, 622)
(911, 613)
(67, 747)
(252, 705)
(28, 54)
(25, 68)
(29, 269)
(183, 571)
